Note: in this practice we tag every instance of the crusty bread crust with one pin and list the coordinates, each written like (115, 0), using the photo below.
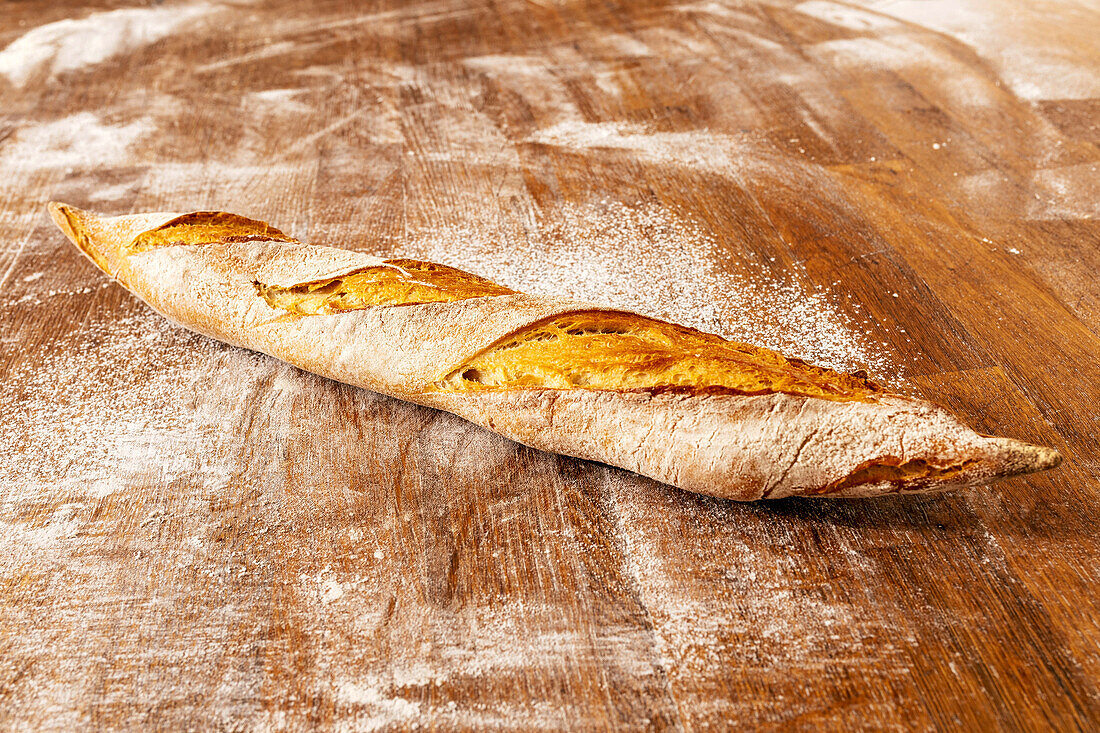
(196, 271)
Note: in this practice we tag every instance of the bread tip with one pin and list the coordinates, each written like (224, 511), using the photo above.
(60, 208)
(1019, 457)
(62, 215)
(1048, 458)
(77, 224)
(65, 215)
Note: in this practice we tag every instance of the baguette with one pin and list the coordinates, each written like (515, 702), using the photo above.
(675, 404)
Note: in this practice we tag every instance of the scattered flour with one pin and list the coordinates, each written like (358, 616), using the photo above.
(847, 16)
(369, 709)
(105, 415)
(331, 590)
(69, 44)
(726, 600)
(1041, 55)
(80, 140)
(1068, 192)
(699, 149)
(901, 51)
(284, 101)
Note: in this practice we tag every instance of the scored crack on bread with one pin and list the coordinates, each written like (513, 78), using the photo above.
(204, 227)
(669, 402)
(399, 282)
(623, 351)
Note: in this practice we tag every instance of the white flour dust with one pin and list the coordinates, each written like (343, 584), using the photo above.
(724, 599)
(81, 140)
(1069, 192)
(1039, 54)
(69, 44)
(373, 709)
(107, 414)
(697, 149)
(846, 16)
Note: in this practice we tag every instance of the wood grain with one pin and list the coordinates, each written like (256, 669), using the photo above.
(198, 537)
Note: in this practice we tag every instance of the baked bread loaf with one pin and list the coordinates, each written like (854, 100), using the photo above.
(672, 403)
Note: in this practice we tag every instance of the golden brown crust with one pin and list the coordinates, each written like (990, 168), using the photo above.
(399, 282)
(71, 223)
(616, 350)
(892, 470)
(687, 408)
(206, 227)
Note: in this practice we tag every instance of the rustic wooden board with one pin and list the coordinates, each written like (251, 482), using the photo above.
(193, 536)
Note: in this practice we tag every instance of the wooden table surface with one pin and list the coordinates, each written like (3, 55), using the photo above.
(197, 537)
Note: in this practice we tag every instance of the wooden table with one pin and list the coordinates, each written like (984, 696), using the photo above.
(197, 537)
